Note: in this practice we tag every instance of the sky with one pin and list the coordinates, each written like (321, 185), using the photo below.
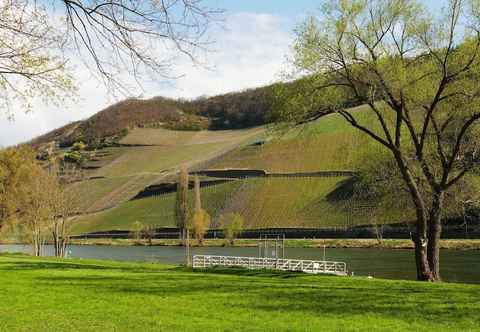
(249, 50)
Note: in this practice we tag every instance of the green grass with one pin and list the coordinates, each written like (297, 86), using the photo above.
(83, 295)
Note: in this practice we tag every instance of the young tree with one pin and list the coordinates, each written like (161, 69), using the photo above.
(418, 77)
(232, 224)
(181, 202)
(201, 219)
(137, 231)
(108, 38)
(200, 223)
(63, 201)
(35, 208)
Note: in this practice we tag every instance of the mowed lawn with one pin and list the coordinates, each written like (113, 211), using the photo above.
(80, 295)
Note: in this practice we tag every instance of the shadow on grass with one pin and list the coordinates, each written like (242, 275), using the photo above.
(270, 291)
(8, 266)
(244, 272)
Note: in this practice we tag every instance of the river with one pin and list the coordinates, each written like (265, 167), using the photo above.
(456, 265)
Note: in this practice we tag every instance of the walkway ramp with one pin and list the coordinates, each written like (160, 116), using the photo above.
(307, 266)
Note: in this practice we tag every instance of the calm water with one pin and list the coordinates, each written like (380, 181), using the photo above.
(457, 266)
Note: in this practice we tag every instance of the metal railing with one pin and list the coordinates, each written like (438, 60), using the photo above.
(308, 266)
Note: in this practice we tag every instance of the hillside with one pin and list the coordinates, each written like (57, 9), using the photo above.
(298, 201)
(308, 166)
(119, 173)
(236, 110)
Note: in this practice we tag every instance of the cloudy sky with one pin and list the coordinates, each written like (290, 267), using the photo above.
(249, 50)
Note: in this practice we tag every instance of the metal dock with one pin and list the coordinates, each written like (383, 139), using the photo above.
(307, 266)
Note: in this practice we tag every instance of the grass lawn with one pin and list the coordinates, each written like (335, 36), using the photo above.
(80, 295)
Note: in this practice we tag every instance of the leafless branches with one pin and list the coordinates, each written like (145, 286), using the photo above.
(116, 41)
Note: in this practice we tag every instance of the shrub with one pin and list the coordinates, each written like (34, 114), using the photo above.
(79, 146)
(73, 157)
(232, 224)
(200, 223)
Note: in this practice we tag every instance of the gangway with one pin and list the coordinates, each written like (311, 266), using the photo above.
(308, 266)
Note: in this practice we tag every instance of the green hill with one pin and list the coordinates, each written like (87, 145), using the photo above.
(325, 145)
(137, 144)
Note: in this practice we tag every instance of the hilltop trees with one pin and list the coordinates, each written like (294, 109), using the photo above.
(419, 78)
(108, 38)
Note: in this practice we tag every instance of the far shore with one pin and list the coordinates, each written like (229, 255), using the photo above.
(455, 244)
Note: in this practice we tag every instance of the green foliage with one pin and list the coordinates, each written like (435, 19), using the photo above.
(16, 165)
(201, 221)
(232, 225)
(78, 146)
(74, 157)
(137, 230)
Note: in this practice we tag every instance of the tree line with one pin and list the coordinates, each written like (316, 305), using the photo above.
(36, 203)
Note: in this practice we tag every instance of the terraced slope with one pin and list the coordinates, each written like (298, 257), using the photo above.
(126, 170)
(263, 202)
(326, 145)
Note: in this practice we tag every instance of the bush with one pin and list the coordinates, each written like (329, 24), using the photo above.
(232, 224)
(79, 146)
(200, 224)
(73, 157)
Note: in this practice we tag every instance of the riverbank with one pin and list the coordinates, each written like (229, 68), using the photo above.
(86, 295)
(457, 244)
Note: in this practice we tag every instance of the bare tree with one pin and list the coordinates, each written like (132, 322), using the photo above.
(418, 78)
(63, 200)
(113, 39)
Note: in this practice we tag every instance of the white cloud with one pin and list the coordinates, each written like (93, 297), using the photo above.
(249, 51)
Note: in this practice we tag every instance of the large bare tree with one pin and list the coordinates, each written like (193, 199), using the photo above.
(41, 42)
(418, 77)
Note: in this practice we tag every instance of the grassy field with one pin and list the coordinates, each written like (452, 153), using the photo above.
(83, 295)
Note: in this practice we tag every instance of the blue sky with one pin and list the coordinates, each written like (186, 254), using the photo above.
(283, 7)
(276, 7)
(249, 51)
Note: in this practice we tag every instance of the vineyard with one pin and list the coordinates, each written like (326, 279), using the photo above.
(327, 144)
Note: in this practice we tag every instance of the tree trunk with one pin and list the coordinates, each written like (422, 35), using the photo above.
(420, 238)
(421, 257)
(434, 234)
(56, 243)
